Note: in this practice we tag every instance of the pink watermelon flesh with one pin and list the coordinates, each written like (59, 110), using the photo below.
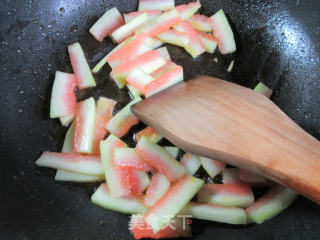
(191, 163)
(171, 203)
(165, 81)
(66, 120)
(80, 66)
(159, 185)
(217, 213)
(209, 42)
(139, 45)
(149, 133)
(178, 228)
(277, 199)
(116, 177)
(188, 10)
(104, 60)
(201, 23)
(62, 175)
(138, 181)
(155, 5)
(68, 176)
(147, 62)
(164, 69)
(158, 158)
(103, 114)
(173, 37)
(74, 162)
(160, 24)
(127, 30)
(121, 123)
(63, 99)
(127, 204)
(106, 24)
(223, 32)
(195, 46)
(151, 14)
(84, 126)
(230, 175)
(164, 53)
(128, 158)
(139, 79)
(231, 195)
(212, 167)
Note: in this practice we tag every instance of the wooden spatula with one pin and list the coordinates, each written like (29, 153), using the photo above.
(224, 121)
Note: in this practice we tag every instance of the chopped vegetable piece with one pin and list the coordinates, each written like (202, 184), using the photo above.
(173, 151)
(177, 228)
(63, 99)
(106, 24)
(263, 89)
(187, 10)
(127, 157)
(140, 44)
(164, 69)
(230, 195)
(104, 60)
(151, 14)
(80, 66)
(134, 93)
(139, 79)
(155, 5)
(74, 162)
(157, 43)
(66, 120)
(195, 46)
(212, 212)
(230, 66)
(174, 37)
(159, 185)
(121, 123)
(164, 53)
(159, 159)
(201, 23)
(127, 204)
(84, 126)
(209, 42)
(253, 179)
(172, 202)
(149, 133)
(115, 176)
(160, 24)
(191, 163)
(277, 199)
(138, 181)
(165, 81)
(68, 176)
(67, 146)
(125, 31)
(103, 114)
(212, 167)
(231, 175)
(223, 32)
(148, 62)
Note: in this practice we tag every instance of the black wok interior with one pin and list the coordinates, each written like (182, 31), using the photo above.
(278, 44)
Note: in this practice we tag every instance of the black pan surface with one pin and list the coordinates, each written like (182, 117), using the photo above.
(278, 43)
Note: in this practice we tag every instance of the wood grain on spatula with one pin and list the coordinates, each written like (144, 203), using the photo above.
(221, 120)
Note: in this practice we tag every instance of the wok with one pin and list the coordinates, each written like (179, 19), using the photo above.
(278, 44)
